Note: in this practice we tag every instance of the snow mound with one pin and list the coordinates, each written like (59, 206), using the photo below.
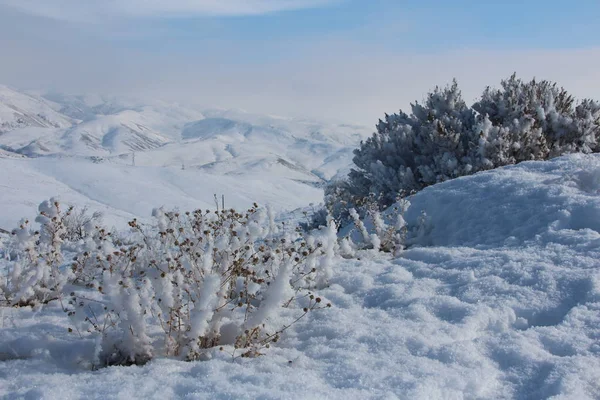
(511, 205)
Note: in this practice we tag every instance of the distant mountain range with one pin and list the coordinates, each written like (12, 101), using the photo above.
(159, 134)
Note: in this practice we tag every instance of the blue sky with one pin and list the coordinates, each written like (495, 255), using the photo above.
(425, 25)
(351, 59)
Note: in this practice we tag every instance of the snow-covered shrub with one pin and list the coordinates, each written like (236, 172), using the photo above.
(34, 275)
(385, 232)
(187, 285)
(315, 219)
(409, 152)
(199, 280)
(444, 138)
(534, 120)
(80, 222)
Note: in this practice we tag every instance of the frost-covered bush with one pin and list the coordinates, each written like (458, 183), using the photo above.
(384, 232)
(80, 222)
(196, 281)
(409, 152)
(34, 274)
(189, 284)
(535, 120)
(444, 138)
(315, 219)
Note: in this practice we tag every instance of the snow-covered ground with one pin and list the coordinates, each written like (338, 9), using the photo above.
(123, 192)
(498, 298)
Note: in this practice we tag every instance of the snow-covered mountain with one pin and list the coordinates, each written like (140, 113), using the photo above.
(20, 110)
(223, 142)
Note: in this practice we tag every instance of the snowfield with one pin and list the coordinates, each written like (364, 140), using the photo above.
(498, 297)
(123, 192)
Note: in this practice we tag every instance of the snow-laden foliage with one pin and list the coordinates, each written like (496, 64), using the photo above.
(385, 232)
(34, 276)
(534, 120)
(195, 281)
(409, 152)
(444, 138)
(190, 282)
(79, 223)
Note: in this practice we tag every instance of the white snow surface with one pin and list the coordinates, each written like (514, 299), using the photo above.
(500, 299)
(123, 192)
(19, 110)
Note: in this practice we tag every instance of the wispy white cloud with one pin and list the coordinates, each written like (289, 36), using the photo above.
(89, 10)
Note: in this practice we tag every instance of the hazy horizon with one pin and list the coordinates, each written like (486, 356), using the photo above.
(348, 61)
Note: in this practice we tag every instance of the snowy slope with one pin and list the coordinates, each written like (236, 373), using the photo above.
(562, 194)
(123, 192)
(506, 305)
(251, 144)
(104, 135)
(166, 118)
(19, 110)
(114, 134)
(9, 154)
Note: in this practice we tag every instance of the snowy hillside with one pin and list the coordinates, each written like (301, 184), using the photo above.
(124, 192)
(498, 299)
(9, 154)
(19, 110)
(166, 118)
(222, 142)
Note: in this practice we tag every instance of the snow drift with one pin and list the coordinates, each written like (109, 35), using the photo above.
(512, 205)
